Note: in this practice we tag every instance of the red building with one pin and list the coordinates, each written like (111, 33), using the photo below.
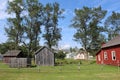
(110, 53)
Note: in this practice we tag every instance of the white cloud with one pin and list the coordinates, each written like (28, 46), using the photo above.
(3, 4)
(3, 14)
(10, 0)
(65, 46)
(68, 12)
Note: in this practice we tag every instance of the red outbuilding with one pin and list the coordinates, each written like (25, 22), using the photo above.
(110, 53)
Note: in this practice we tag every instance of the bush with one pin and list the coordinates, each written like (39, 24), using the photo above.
(60, 55)
(67, 61)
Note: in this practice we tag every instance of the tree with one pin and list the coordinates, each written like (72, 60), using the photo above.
(112, 24)
(52, 33)
(32, 24)
(15, 29)
(6, 46)
(60, 55)
(79, 22)
(86, 22)
(95, 29)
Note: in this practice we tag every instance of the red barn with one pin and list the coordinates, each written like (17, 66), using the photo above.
(110, 52)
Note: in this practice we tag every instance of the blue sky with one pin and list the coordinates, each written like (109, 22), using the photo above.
(69, 6)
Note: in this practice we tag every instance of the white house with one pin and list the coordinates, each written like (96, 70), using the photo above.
(81, 55)
(70, 56)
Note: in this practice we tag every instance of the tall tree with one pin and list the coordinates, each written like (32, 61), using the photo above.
(86, 22)
(52, 33)
(112, 25)
(79, 22)
(95, 29)
(32, 23)
(15, 29)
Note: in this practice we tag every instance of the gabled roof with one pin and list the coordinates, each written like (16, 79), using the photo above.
(115, 41)
(12, 53)
(42, 49)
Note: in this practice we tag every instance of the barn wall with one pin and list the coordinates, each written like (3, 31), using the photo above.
(109, 60)
(99, 57)
(45, 58)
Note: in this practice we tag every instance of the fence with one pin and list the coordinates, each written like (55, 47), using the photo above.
(19, 62)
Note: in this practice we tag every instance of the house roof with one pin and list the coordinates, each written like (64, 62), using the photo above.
(115, 41)
(12, 53)
(42, 49)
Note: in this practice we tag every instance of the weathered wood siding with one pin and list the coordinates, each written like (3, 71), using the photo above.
(7, 59)
(18, 62)
(45, 57)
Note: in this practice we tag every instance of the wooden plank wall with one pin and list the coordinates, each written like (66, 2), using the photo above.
(18, 62)
(45, 58)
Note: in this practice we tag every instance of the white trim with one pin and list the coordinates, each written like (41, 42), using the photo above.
(99, 59)
(105, 55)
(113, 55)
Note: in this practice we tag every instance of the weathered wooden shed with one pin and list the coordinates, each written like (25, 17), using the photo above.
(44, 57)
(110, 52)
(15, 58)
(12, 54)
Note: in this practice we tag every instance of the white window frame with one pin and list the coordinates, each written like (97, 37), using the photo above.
(105, 56)
(113, 54)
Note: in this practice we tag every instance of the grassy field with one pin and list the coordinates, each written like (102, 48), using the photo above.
(86, 71)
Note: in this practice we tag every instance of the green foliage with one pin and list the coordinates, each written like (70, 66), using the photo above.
(60, 55)
(88, 30)
(32, 25)
(67, 61)
(25, 29)
(52, 33)
(112, 25)
(15, 29)
(6, 46)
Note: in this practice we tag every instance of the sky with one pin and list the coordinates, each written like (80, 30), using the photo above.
(69, 6)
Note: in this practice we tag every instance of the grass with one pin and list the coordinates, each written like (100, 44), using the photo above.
(88, 71)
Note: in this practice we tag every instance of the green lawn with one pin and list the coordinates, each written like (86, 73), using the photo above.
(65, 72)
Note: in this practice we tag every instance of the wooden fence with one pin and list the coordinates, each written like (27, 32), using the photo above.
(19, 62)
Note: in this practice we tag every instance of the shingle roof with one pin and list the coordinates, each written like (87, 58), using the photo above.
(113, 42)
(12, 53)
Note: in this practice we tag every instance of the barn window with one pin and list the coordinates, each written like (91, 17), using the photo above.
(113, 55)
(99, 58)
(105, 56)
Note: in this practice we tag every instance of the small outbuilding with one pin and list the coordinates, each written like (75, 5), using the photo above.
(15, 58)
(44, 57)
(110, 52)
(12, 54)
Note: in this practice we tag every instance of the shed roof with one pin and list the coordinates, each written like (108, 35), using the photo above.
(115, 41)
(12, 53)
(42, 49)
